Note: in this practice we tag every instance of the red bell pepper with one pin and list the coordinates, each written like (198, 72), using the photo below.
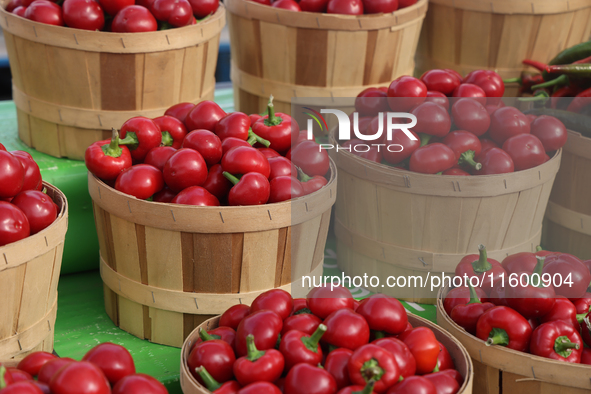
(583, 304)
(384, 314)
(488, 271)
(258, 365)
(276, 300)
(368, 389)
(5, 377)
(216, 356)
(244, 159)
(311, 184)
(522, 262)
(299, 303)
(252, 188)
(461, 295)
(264, 325)
(308, 379)
(467, 315)
(336, 364)
(566, 311)
(106, 159)
(347, 329)
(173, 130)
(586, 356)
(278, 128)
(204, 115)
(304, 322)
(234, 315)
(413, 385)
(444, 382)
(557, 340)
(141, 134)
(402, 354)
(324, 300)
(226, 334)
(504, 326)
(444, 360)
(424, 346)
(260, 388)
(575, 275)
(230, 387)
(34, 361)
(373, 363)
(298, 347)
(534, 299)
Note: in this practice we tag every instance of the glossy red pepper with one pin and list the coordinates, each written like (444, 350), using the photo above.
(216, 356)
(455, 172)
(583, 304)
(140, 134)
(268, 152)
(406, 92)
(530, 296)
(230, 387)
(298, 347)
(50, 368)
(495, 161)
(424, 346)
(373, 363)
(507, 122)
(280, 166)
(470, 115)
(276, 300)
(336, 364)
(384, 314)
(258, 365)
(586, 356)
(467, 315)
(461, 295)
(106, 159)
(5, 377)
(204, 115)
(444, 382)
(18, 375)
(216, 183)
(371, 101)
(158, 156)
(80, 377)
(526, 151)
(264, 325)
(237, 125)
(504, 326)
(232, 142)
(180, 111)
(437, 98)
(308, 379)
(444, 360)
(278, 128)
(361, 149)
(311, 184)
(185, 168)
(414, 385)
(488, 271)
(234, 315)
(470, 90)
(252, 188)
(404, 359)
(551, 132)
(173, 130)
(141, 181)
(557, 340)
(324, 300)
(242, 160)
(311, 158)
(206, 143)
(21, 388)
(432, 158)
(570, 269)
(441, 81)
(347, 329)
(466, 146)
(432, 119)
(285, 188)
(287, 5)
(367, 389)
(566, 311)
(520, 262)
(32, 179)
(260, 388)
(491, 83)
(226, 334)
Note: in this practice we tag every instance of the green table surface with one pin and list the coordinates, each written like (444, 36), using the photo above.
(81, 319)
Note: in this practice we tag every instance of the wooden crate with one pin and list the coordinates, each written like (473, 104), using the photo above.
(29, 273)
(392, 222)
(462, 361)
(72, 86)
(167, 268)
(304, 54)
(467, 35)
(500, 370)
(568, 217)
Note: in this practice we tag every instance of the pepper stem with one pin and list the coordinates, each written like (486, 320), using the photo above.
(130, 139)
(230, 177)
(467, 158)
(561, 80)
(210, 382)
(581, 317)
(371, 370)
(425, 138)
(539, 270)
(3, 372)
(368, 388)
(539, 248)
(497, 336)
(113, 149)
(167, 139)
(272, 120)
(302, 175)
(379, 334)
(253, 138)
(535, 64)
(513, 80)
(311, 342)
(436, 369)
(473, 296)
(253, 353)
(205, 336)
(564, 347)
(482, 264)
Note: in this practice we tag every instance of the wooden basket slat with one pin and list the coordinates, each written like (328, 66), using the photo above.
(35, 292)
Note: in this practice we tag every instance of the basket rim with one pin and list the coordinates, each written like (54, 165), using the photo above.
(510, 7)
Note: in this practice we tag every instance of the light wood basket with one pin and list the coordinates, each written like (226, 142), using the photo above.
(305, 54)
(500, 370)
(71, 86)
(467, 35)
(29, 273)
(392, 222)
(167, 268)
(462, 361)
(567, 226)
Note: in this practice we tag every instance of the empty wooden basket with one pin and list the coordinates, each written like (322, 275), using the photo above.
(305, 54)
(71, 86)
(467, 35)
(169, 267)
(29, 274)
(462, 361)
(568, 218)
(500, 370)
(391, 222)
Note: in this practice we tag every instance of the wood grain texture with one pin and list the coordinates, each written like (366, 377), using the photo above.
(471, 35)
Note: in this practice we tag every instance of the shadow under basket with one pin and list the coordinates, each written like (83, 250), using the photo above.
(167, 268)
(29, 275)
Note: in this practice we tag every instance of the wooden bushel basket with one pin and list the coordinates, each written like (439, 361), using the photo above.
(462, 361)
(467, 35)
(567, 227)
(29, 273)
(305, 54)
(167, 268)
(71, 86)
(392, 222)
(500, 370)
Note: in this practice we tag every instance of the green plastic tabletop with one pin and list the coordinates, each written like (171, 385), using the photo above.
(81, 319)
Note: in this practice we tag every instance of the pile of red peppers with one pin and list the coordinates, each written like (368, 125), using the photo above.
(200, 155)
(326, 343)
(531, 302)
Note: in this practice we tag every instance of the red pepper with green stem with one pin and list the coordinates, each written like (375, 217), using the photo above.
(106, 159)
(531, 298)
(226, 334)
(583, 304)
(141, 134)
(467, 315)
(504, 326)
(424, 346)
(367, 389)
(252, 188)
(373, 363)
(278, 128)
(173, 130)
(304, 322)
(237, 125)
(216, 356)
(264, 325)
(347, 329)
(444, 360)
(336, 364)
(404, 359)
(575, 274)
(230, 387)
(488, 271)
(324, 300)
(242, 159)
(444, 382)
(566, 311)
(311, 184)
(308, 379)
(234, 315)
(260, 388)
(298, 347)
(5, 377)
(461, 295)
(258, 365)
(384, 315)
(276, 300)
(557, 340)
